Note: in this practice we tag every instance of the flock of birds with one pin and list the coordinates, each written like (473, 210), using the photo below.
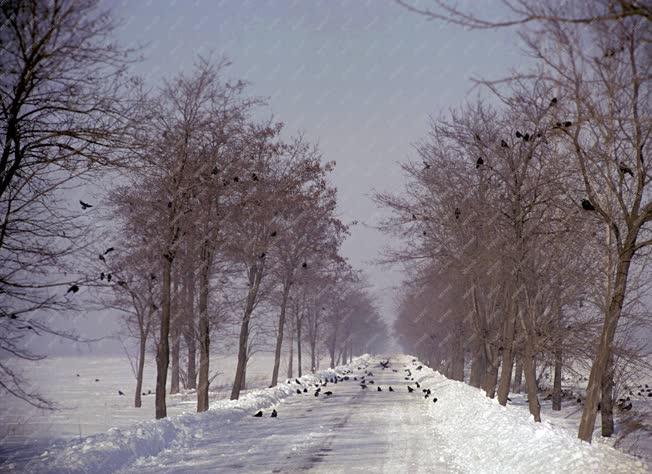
(364, 380)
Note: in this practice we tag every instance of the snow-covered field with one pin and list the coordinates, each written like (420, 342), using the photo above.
(353, 429)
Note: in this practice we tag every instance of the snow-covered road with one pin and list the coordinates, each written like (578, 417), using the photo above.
(353, 429)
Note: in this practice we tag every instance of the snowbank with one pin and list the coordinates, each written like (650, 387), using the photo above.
(484, 436)
(107, 452)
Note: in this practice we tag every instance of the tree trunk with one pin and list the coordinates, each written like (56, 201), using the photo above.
(508, 359)
(174, 353)
(243, 380)
(478, 368)
(291, 357)
(255, 275)
(313, 355)
(556, 384)
(518, 376)
(606, 404)
(175, 332)
(299, 347)
(204, 332)
(141, 368)
(281, 329)
(604, 350)
(163, 350)
(491, 376)
(189, 332)
(529, 370)
(457, 362)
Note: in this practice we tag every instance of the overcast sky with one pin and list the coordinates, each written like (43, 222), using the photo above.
(359, 77)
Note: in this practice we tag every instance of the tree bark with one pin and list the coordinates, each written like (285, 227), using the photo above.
(189, 332)
(604, 350)
(457, 363)
(529, 370)
(176, 334)
(556, 385)
(478, 368)
(299, 348)
(204, 332)
(518, 375)
(606, 404)
(508, 359)
(141, 368)
(163, 350)
(174, 372)
(281, 332)
(255, 275)
(291, 356)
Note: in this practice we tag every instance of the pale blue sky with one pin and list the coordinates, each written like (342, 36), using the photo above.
(359, 77)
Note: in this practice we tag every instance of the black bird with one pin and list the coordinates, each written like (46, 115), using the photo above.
(434, 400)
(214, 171)
(120, 392)
(587, 206)
(567, 123)
(426, 395)
(77, 375)
(371, 381)
(526, 137)
(297, 381)
(149, 392)
(553, 101)
(144, 393)
(84, 205)
(298, 392)
(109, 250)
(97, 380)
(304, 265)
(102, 259)
(518, 134)
(73, 289)
(418, 386)
(391, 389)
(274, 414)
(254, 177)
(363, 386)
(317, 393)
(108, 277)
(504, 144)
(420, 367)
(102, 276)
(305, 390)
(236, 179)
(259, 414)
(457, 213)
(479, 163)
(355, 378)
(410, 389)
(624, 169)
(329, 393)
(262, 255)
(273, 234)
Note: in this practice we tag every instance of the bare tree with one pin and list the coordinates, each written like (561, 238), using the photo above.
(64, 113)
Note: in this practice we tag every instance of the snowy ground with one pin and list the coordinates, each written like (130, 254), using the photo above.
(353, 429)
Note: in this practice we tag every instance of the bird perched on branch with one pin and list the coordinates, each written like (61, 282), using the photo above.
(73, 289)
(587, 206)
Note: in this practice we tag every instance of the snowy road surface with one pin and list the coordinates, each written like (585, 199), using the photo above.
(352, 430)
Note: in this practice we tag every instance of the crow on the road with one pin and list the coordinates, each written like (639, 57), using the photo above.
(380, 389)
(391, 389)
(274, 414)
(259, 414)
(410, 389)
(120, 392)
